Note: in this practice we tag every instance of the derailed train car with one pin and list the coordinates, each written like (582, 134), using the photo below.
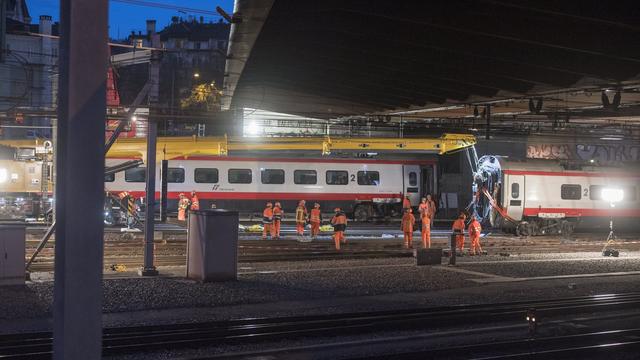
(537, 197)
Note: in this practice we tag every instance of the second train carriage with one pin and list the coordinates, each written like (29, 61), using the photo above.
(543, 196)
(364, 188)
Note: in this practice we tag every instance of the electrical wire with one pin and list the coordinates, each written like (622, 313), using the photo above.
(168, 7)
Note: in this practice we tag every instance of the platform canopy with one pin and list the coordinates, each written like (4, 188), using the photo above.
(334, 57)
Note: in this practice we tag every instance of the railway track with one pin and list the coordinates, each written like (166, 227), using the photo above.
(166, 337)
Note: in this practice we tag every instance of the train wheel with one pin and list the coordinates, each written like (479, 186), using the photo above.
(523, 229)
(566, 228)
(362, 213)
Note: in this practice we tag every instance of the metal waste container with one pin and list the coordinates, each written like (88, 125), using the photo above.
(212, 245)
(12, 250)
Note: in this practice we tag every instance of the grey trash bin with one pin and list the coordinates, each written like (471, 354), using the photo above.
(212, 245)
(12, 250)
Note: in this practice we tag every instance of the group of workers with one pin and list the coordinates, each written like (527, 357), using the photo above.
(185, 205)
(474, 231)
(272, 217)
(427, 210)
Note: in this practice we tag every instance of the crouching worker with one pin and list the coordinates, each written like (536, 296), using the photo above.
(339, 222)
(408, 220)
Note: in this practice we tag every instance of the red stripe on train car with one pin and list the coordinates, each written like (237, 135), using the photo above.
(570, 173)
(271, 195)
(583, 212)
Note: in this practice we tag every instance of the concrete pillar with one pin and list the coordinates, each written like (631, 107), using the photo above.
(77, 315)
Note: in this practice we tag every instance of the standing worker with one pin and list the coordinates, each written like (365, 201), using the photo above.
(315, 218)
(422, 207)
(339, 222)
(301, 219)
(277, 220)
(267, 221)
(474, 235)
(195, 203)
(426, 228)
(128, 202)
(406, 203)
(458, 229)
(408, 220)
(431, 209)
(183, 206)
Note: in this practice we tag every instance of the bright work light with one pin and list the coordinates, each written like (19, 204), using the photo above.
(612, 195)
(3, 175)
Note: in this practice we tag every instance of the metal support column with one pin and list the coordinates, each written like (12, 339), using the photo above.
(164, 169)
(152, 136)
(77, 303)
(488, 115)
(3, 29)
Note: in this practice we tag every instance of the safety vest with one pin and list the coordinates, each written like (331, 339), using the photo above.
(406, 203)
(183, 204)
(475, 229)
(267, 216)
(315, 216)
(407, 222)
(195, 204)
(458, 226)
(339, 222)
(301, 214)
(277, 213)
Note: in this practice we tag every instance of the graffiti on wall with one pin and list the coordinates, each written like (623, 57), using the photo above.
(603, 154)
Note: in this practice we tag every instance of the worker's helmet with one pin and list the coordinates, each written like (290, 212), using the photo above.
(316, 205)
(277, 204)
(302, 202)
(336, 209)
(269, 204)
(193, 193)
(424, 199)
(462, 216)
(181, 194)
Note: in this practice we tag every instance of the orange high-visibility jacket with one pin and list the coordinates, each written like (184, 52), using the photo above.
(475, 229)
(406, 203)
(339, 221)
(315, 216)
(195, 204)
(301, 214)
(277, 213)
(458, 225)
(267, 216)
(408, 220)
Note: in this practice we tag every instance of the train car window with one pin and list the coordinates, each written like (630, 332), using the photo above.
(515, 190)
(272, 176)
(135, 175)
(175, 175)
(368, 178)
(110, 178)
(239, 176)
(205, 176)
(305, 177)
(571, 192)
(413, 179)
(337, 177)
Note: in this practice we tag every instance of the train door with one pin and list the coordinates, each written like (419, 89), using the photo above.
(428, 182)
(515, 191)
(412, 183)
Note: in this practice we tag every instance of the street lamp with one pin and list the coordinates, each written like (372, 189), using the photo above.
(613, 196)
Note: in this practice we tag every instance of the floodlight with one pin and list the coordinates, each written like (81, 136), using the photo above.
(253, 128)
(3, 175)
(612, 195)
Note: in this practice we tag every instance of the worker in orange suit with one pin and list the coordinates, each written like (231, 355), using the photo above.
(408, 220)
(183, 206)
(315, 218)
(431, 209)
(474, 235)
(277, 219)
(195, 202)
(406, 203)
(426, 228)
(458, 229)
(339, 222)
(267, 220)
(301, 219)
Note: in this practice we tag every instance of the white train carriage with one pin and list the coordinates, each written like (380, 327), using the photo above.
(362, 187)
(544, 196)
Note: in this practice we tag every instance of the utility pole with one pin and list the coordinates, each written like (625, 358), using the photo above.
(149, 268)
(77, 297)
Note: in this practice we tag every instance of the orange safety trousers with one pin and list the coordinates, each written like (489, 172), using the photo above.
(408, 238)
(426, 234)
(460, 242)
(268, 229)
(315, 228)
(338, 237)
(275, 229)
(300, 228)
(475, 244)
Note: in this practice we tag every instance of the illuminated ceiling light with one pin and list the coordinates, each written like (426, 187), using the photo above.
(612, 137)
(196, 75)
(134, 118)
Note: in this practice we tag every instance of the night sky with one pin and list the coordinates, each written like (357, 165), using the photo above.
(123, 18)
